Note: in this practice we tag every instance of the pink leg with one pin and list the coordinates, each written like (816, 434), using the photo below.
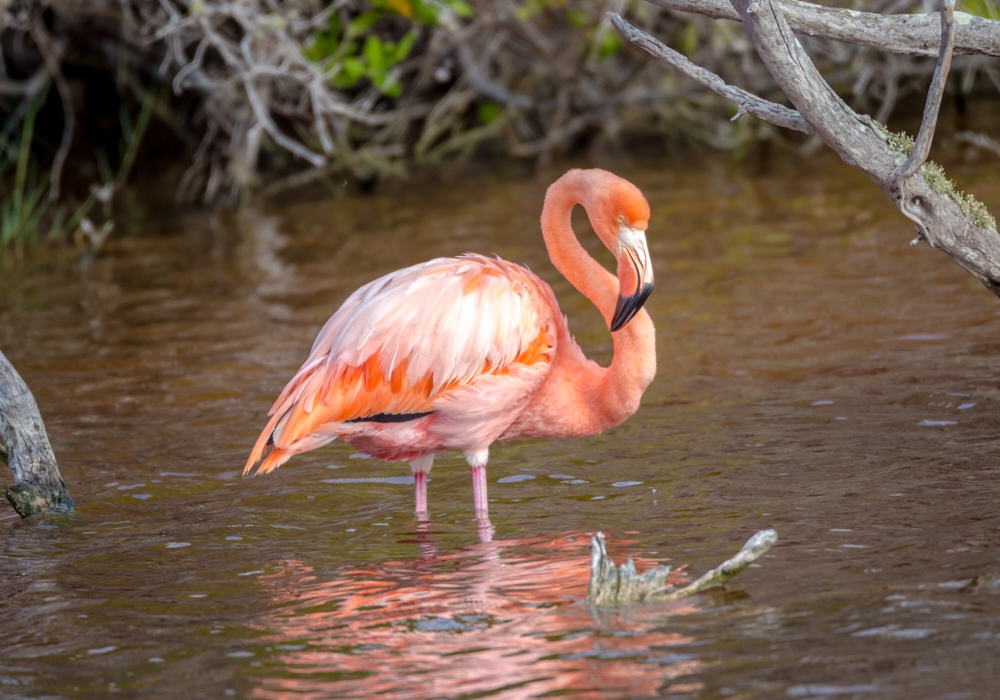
(420, 486)
(421, 467)
(477, 460)
(479, 491)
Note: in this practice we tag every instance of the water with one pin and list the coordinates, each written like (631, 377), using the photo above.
(817, 375)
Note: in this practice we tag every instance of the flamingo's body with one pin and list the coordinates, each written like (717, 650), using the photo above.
(456, 353)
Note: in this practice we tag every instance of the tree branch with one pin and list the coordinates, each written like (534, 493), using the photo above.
(26, 449)
(922, 148)
(748, 103)
(917, 35)
(949, 220)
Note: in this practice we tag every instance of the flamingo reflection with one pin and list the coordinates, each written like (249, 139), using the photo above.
(502, 619)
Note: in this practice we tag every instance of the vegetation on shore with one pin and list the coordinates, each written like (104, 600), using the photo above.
(263, 95)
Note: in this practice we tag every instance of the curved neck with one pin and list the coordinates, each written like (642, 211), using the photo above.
(616, 395)
(565, 251)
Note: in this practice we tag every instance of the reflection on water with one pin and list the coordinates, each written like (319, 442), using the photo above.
(817, 375)
(429, 627)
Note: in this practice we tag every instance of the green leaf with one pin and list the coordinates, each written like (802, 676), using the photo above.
(351, 70)
(577, 17)
(389, 85)
(405, 45)
(689, 39)
(488, 111)
(334, 23)
(375, 53)
(460, 8)
(610, 45)
(424, 12)
(362, 23)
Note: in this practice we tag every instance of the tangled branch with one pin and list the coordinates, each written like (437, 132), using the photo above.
(947, 219)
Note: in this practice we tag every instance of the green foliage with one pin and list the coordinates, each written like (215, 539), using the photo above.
(29, 212)
(608, 45)
(24, 202)
(688, 39)
(349, 60)
(982, 8)
(488, 111)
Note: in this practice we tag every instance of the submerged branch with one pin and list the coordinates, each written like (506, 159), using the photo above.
(611, 585)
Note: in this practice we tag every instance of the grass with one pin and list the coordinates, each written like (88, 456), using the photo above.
(30, 214)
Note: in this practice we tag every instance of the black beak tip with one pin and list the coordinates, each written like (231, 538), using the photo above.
(628, 307)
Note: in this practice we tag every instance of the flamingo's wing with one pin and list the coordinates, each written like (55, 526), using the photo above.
(404, 342)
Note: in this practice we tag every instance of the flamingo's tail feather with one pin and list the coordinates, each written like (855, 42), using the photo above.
(267, 439)
(275, 459)
(281, 450)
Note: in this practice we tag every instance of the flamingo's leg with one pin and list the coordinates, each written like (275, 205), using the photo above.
(477, 461)
(421, 467)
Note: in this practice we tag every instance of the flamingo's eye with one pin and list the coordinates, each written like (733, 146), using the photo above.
(621, 219)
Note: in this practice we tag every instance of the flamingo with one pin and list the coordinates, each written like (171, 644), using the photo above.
(456, 353)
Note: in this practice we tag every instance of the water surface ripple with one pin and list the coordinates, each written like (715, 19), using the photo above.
(817, 375)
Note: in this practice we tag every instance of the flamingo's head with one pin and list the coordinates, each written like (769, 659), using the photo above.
(620, 216)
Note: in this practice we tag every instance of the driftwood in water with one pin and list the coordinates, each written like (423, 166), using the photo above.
(614, 585)
(26, 449)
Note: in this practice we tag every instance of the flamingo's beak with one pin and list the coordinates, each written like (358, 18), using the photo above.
(635, 275)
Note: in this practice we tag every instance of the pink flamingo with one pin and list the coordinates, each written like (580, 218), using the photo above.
(456, 353)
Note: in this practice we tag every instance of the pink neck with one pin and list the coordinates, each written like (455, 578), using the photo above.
(569, 257)
(634, 363)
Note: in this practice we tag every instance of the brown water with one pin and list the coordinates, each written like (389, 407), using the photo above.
(817, 375)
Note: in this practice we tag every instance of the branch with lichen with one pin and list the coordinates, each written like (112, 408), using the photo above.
(902, 144)
(948, 219)
(622, 585)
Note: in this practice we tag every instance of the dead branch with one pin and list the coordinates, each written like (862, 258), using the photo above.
(528, 78)
(949, 220)
(26, 449)
(917, 34)
(623, 585)
(979, 141)
(922, 147)
(776, 114)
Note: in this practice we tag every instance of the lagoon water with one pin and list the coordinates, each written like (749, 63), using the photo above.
(816, 375)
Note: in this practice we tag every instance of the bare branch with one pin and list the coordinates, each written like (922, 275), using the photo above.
(948, 219)
(979, 141)
(797, 76)
(917, 35)
(928, 125)
(776, 114)
(28, 87)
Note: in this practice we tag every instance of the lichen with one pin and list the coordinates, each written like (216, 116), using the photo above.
(902, 144)
(977, 212)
